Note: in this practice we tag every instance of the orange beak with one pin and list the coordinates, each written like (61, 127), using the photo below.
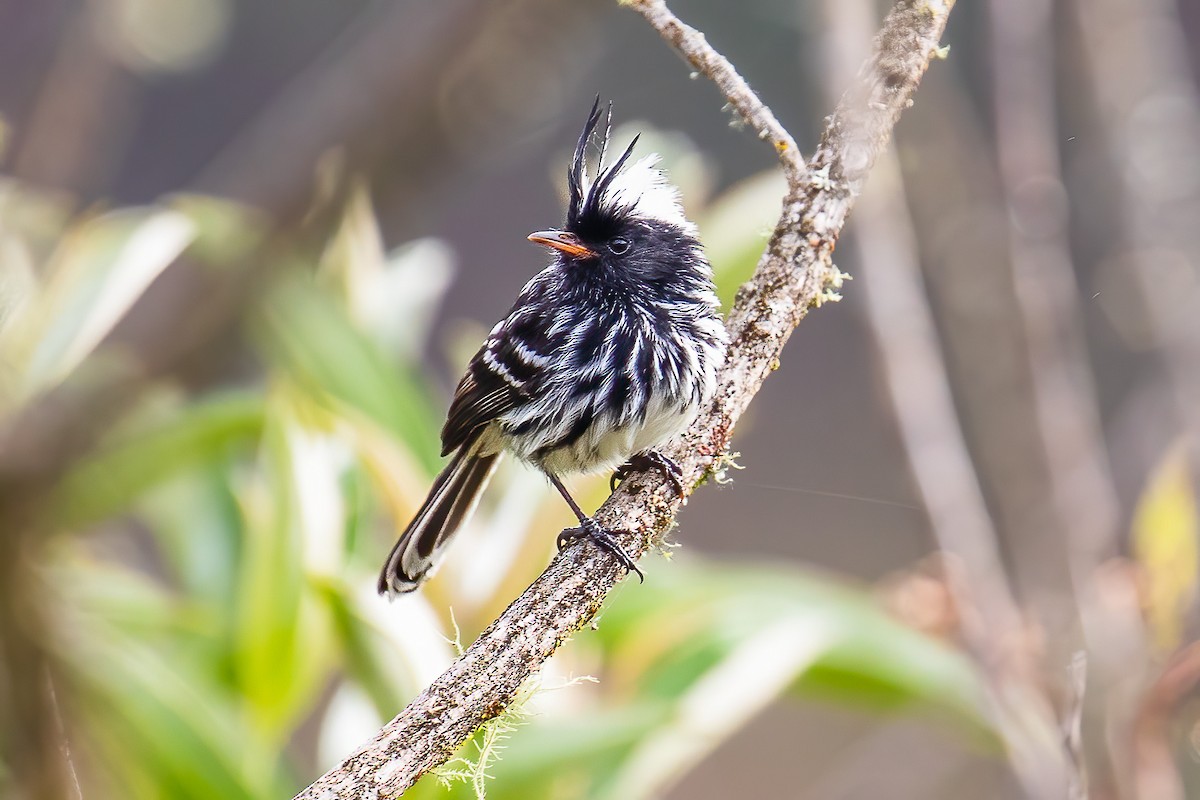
(561, 240)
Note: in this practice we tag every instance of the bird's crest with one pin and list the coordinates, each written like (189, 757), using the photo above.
(621, 190)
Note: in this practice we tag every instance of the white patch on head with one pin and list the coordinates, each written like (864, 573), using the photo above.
(643, 189)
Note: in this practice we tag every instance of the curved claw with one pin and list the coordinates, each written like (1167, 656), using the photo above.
(650, 459)
(604, 539)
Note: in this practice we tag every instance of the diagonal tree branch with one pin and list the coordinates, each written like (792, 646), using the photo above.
(795, 274)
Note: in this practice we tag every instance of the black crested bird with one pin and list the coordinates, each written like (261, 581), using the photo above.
(608, 353)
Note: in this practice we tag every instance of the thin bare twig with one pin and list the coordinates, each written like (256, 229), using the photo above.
(692, 45)
(795, 273)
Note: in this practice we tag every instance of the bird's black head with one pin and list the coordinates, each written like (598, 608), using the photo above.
(628, 219)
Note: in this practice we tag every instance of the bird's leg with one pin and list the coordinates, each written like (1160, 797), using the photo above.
(590, 529)
(650, 459)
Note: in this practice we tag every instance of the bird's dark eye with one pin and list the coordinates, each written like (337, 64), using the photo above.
(619, 245)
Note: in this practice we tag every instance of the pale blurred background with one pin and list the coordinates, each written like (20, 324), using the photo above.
(246, 247)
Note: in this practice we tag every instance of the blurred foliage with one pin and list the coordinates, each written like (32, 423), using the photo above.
(220, 626)
(1164, 540)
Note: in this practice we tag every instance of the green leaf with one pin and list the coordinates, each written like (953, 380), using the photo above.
(166, 730)
(111, 480)
(390, 296)
(364, 660)
(98, 271)
(867, 659)
(135, 604)
(225, 231)
(391, 650)
(719, 644)
(197, 523)
(313, 339)
(282, 643)
(692, 655)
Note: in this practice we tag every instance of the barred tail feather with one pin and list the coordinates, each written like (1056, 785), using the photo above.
(450, 503)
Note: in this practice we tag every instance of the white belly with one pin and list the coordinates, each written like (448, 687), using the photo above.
(604, 447)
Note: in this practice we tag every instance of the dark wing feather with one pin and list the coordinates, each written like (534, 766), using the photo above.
(515, 362)
(509, 370)
(481, 397)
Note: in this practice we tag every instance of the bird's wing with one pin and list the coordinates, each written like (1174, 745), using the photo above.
(509, 370)
(482, 396)
(514, 364)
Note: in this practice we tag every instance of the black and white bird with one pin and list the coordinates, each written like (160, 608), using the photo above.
(607, 353)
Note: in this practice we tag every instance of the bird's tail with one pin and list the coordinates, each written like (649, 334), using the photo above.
(449, 504)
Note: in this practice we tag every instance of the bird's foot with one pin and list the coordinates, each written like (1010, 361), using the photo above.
(604, 539)
(650, 459)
